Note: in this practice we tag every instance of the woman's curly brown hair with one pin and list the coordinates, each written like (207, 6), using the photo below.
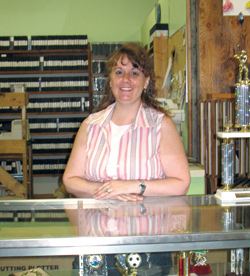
(139, 57)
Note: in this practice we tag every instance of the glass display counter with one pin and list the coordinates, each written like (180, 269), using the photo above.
(218, 269)
(70, 227)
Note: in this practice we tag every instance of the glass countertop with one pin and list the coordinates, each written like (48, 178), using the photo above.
(71, 226)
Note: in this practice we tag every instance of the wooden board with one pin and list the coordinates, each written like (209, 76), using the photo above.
(12, 184)
(14, 99)
(160, 62)
(13, 146)
(219, 37)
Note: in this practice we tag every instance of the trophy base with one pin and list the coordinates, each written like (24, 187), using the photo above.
(154, 270)
(201, 269)
(234, 195)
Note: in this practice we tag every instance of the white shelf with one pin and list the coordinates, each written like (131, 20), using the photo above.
(233, 134)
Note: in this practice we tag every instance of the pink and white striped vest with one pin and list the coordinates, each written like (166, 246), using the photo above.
(139, 153)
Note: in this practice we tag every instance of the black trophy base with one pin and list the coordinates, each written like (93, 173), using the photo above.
(154, 270)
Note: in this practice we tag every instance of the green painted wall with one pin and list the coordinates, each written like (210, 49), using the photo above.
(101, 20)
(173, 12)
(177, 15)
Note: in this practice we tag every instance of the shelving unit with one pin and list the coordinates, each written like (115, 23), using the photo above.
(17, 149)
(59, 85)
(100, 53)
(99, 77)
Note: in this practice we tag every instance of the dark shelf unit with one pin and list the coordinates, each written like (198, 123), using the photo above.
(81, 95)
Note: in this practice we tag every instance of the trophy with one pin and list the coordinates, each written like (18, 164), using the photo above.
(242, 102)
(95, 265)
(200, 267)
(237, 263)
(183, 264)
(129, 265)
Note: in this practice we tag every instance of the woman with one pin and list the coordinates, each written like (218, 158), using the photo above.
(131, 148)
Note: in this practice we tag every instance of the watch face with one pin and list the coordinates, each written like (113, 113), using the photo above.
(142, 187)
(158, 13)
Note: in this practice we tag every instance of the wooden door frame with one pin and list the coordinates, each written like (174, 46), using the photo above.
(192, 79)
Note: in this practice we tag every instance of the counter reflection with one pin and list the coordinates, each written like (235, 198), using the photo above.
(163, 216)
(170, 216)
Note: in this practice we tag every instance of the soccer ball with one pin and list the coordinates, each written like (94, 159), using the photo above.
(134, 260)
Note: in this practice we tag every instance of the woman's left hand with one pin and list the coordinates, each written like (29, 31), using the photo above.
(117, 189)
(129, 197)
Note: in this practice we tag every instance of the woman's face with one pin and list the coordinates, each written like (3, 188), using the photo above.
(127, 82)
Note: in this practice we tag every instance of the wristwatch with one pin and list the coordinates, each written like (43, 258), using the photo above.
(142, 186)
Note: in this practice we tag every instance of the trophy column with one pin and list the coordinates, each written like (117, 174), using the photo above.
(227, 160)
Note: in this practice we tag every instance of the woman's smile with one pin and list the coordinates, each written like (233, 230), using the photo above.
(126, 88)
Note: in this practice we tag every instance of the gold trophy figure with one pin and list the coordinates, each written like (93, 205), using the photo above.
(242, 97)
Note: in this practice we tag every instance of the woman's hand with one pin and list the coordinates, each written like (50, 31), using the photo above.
(118, 189)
